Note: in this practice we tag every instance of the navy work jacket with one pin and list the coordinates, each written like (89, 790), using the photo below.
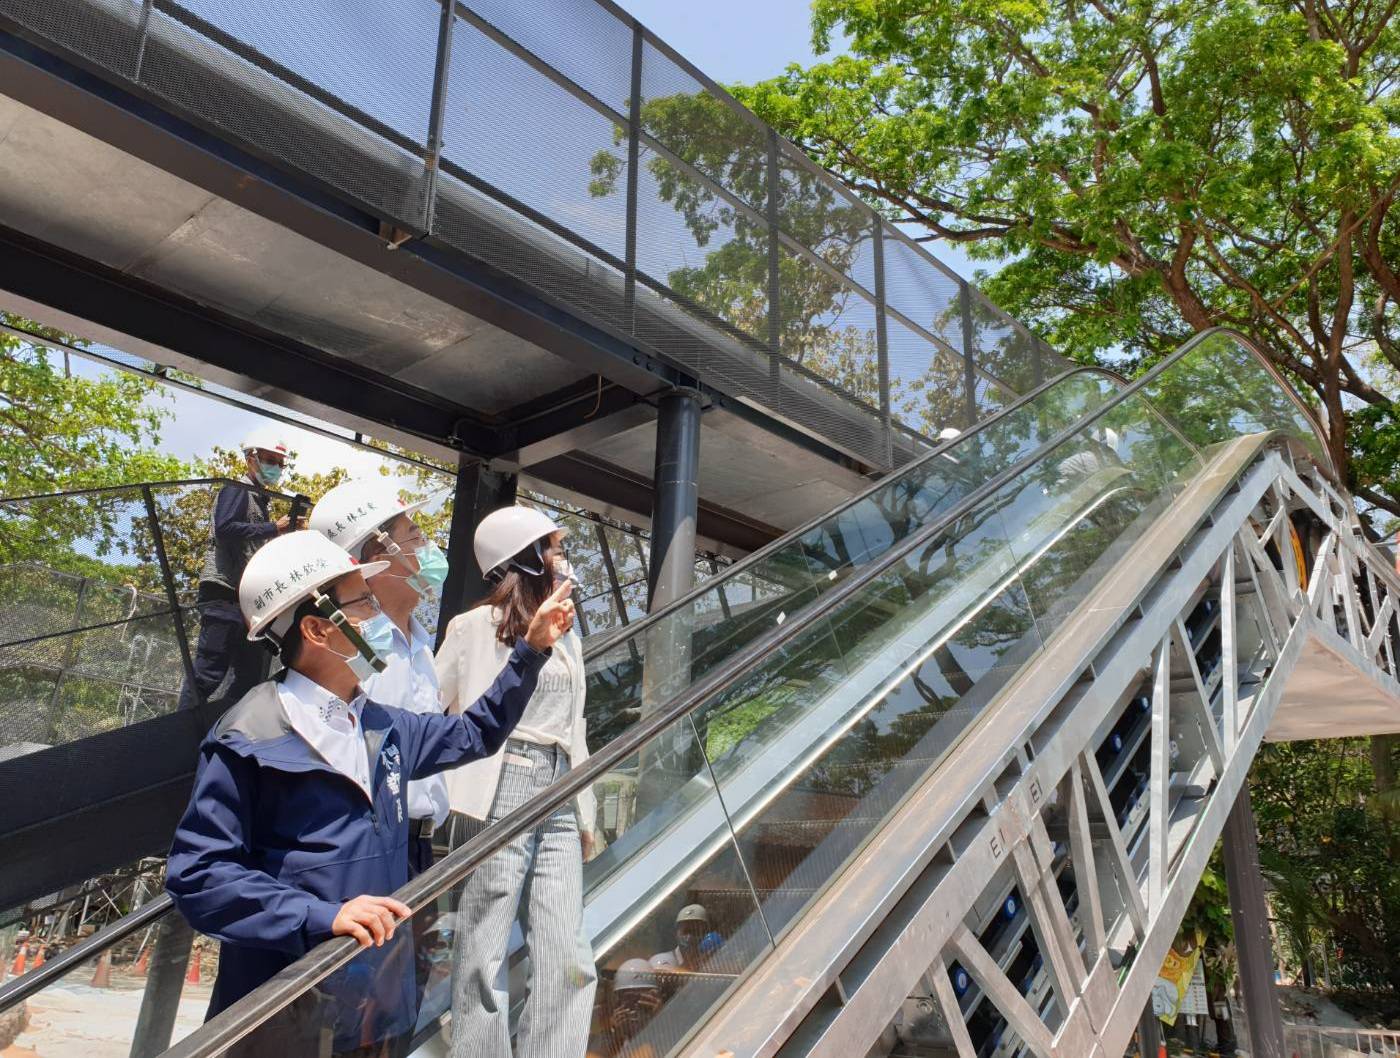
(274, 840)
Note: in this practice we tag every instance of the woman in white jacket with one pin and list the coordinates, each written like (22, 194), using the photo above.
(538, 878)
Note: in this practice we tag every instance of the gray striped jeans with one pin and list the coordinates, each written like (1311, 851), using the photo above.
(537, 878)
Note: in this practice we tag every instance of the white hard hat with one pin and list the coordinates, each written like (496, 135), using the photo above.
(285, 571)
(948, 433)
(693, 913)
(265, 439)
(663, 960)
(634, 973)
(350, 513)
(505, 533)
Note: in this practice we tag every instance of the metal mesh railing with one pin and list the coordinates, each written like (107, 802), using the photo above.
(1316, 1041)
(565, 145)
(100, 589)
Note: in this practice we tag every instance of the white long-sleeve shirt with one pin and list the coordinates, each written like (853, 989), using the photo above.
(330, 725)
(467, 663)
(409, 681)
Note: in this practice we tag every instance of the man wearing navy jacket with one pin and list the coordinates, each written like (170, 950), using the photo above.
(297, 827)
(241, 526)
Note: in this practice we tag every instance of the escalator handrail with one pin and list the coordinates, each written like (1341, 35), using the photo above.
(28, 984)
(36, 980)
(609, 640)
(245, 1015)
(24, 986)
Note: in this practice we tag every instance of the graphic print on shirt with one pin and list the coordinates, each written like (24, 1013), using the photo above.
(389, 755)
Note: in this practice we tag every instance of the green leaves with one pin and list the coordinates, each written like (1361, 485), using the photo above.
(1149, 168)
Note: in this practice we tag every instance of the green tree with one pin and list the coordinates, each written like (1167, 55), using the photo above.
(1150, 168)
(61, 431)
(1330, 851)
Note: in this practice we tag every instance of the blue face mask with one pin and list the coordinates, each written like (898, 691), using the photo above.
(432, 569)
(378, 633)
(270, 474)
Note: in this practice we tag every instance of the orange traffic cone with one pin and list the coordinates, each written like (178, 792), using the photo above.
(1161, 1050)
(38, 958)
(142, 962)
(17, 967)
(192, 974)
(102, 976)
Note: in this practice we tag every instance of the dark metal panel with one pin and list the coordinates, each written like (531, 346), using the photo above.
(579, 474)
(85, 807)
(480, 490)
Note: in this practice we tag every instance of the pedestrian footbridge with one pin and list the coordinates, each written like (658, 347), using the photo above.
(947, 785)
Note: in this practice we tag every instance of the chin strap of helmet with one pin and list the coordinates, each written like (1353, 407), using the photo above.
(497, 574)
(336, 616)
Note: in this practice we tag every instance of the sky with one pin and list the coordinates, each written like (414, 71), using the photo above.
(198, 424)
(732, 40)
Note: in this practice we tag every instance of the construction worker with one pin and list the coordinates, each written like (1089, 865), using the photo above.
(369, 520)
(296, 828)
(692, 933)
(241, 526)
(636, 997)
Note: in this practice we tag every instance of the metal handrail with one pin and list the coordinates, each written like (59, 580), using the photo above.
(35, 980)
(753, 558)
(21, 988)
(245, 1015)
(174, 483)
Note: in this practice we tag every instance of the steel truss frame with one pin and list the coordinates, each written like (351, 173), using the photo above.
(1035, 803)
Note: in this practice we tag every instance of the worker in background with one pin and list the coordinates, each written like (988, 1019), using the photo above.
(241, 526)
(695, 941)
(635, 1000)
(369, 520)
(296, 828)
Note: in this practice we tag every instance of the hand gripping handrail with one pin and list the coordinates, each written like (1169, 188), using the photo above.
(238, 1020)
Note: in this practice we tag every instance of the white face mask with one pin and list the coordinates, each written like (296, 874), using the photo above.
(563, 570)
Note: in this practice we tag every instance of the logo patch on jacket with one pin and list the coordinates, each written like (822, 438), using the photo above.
(390, 756)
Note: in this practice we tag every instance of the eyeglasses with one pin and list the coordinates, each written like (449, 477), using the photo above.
(365, 602)
(412, 540)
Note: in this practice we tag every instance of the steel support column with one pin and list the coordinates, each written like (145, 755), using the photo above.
(165, 980)
(1254, 944)
(1149, 1033)
(677, 496)
(479, 491)
(671, 572)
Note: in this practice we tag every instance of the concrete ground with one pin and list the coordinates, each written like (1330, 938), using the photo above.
(75, 1020)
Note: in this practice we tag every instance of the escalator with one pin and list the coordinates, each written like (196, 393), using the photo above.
(886, 775)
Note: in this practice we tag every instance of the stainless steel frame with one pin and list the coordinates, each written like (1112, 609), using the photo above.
(1030, 771)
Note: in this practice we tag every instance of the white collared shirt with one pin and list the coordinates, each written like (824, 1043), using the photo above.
(410, 682)
(330, 726)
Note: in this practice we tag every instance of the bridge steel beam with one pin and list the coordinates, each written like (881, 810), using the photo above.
(81, 97)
